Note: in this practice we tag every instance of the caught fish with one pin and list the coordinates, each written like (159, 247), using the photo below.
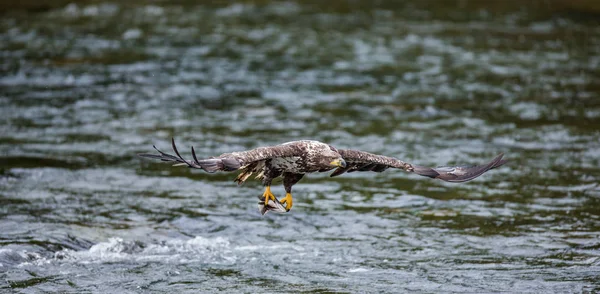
(273, 205)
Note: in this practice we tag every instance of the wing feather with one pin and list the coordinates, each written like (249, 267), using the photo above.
(268, 152)
(364, 161)
(459, 174)
(210, 165)
(227, 161)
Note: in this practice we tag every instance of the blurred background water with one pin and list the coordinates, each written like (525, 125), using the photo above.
(87, 85)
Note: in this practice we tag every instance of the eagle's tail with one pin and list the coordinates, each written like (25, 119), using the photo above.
(249, 170)
(243, 176)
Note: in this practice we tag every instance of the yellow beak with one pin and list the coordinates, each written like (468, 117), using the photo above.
(338, 162)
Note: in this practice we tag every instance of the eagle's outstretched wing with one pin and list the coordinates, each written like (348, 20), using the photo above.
(210, 165)
(227, 161)
(363, 161)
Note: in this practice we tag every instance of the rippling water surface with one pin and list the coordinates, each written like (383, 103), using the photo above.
(86, 86)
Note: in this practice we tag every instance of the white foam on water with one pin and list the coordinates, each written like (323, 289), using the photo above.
(10, 257)
(199, 249)
(270, 247)
(358, 270)
(216, 251)
(234, 10)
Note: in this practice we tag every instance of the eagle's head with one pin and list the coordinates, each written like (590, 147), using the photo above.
(338, 162)
(330, 158)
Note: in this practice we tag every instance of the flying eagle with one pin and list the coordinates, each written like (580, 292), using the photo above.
(293, 160)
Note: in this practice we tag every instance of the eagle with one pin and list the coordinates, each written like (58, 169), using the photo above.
(292, 160)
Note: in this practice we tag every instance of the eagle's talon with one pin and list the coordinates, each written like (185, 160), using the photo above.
(287, 200)
(267, 195)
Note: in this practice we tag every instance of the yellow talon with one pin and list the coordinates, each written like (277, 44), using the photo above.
(288, 201)
(268, 195)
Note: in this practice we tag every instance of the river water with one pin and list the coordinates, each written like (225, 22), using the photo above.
(87, 86)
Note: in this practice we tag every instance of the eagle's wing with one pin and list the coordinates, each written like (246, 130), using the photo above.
(363, 161)
(225, 162)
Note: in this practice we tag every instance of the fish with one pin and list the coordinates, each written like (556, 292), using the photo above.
(273, 206)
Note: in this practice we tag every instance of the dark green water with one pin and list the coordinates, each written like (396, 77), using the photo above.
(85, 87)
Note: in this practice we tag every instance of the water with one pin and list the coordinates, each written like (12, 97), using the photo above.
(87, 86)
